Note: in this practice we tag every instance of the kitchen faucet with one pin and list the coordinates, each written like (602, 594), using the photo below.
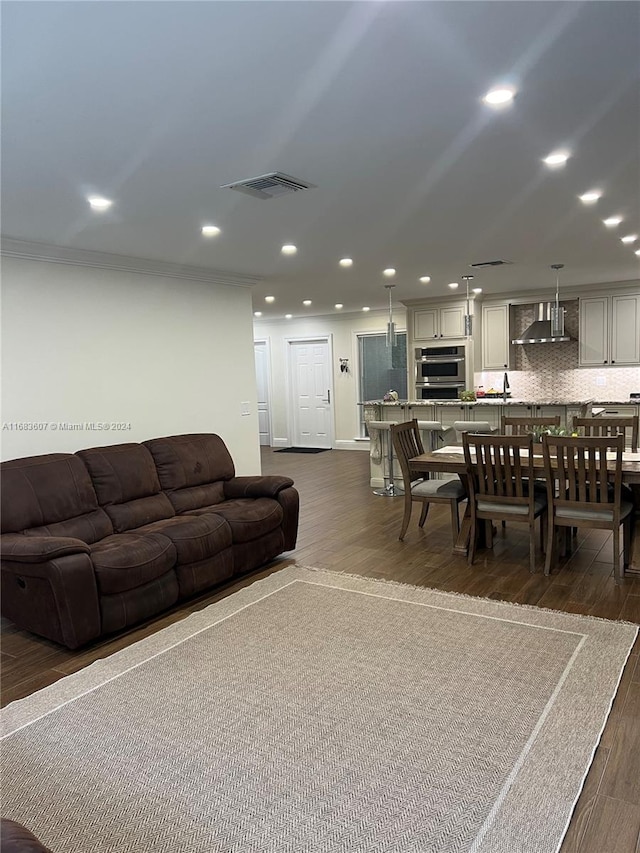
(505, 385)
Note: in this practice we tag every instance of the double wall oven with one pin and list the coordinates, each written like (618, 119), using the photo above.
(439, 372)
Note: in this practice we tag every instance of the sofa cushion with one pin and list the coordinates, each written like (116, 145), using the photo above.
(194, 497)
(195, 537)
(127, 485)
(90, 527)
(121, 472)
(46, 490)
(190, 460)
(128, 560)
(248, 518)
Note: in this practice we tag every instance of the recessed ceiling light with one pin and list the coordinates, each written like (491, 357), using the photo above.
(557, 158)
(339, 305)
(425, 279)
(629, 238)
(637, 252)
(499, 97)
(288, 316)
(453, 285)
(346, 262)
(612, 221)
(289, 249)
(306, 302)
(476, 290)
(590, 197)
(269, 299)
(257, 313)
(210, 230)
(366, 308)
(389, 272)
(97, 202)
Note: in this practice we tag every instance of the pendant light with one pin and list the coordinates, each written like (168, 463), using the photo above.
(557, 313)
(468, 318)
(391, 326)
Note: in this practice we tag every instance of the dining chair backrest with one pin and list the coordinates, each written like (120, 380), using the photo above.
(524, 426)
(627, 426)
(588, 470)
(499, 467)
(406, 443)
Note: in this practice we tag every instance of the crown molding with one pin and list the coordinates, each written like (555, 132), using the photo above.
(13, 248)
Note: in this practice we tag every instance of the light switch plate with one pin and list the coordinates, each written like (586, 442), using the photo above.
(245, 408)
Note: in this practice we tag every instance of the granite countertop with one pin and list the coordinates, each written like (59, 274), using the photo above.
(498, 401)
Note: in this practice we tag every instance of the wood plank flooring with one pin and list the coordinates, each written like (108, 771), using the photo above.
(345, 528)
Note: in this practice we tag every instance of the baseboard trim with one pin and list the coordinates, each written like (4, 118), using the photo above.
(351, 444)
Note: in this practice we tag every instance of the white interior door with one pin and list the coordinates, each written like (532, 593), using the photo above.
(311, 393)
(262, 381)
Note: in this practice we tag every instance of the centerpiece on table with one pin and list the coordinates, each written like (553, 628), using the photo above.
(539, 431)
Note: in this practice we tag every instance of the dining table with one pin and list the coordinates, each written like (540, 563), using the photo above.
(450, 460)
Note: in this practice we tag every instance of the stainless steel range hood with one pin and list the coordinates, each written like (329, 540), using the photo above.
(541, 331)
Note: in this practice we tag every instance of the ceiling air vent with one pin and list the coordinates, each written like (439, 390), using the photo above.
(271, 185)
(490, 264)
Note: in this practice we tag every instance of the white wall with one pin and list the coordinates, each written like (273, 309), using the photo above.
(342, 331)
(165, 355)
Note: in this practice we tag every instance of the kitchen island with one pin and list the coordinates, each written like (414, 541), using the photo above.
(447, 412)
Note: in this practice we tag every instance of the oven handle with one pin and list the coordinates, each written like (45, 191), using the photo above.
(456, 359)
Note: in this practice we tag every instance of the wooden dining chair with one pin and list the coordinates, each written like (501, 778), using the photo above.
(627, 426)
(418, 487)
(584, 489)
(524, 426)
(499, 470)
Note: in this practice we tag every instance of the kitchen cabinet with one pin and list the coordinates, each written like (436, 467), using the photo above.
(445, 321)
(448, 415)
(620, 412)
(496, 339)
(489, 413)
(567, 413)
(609, 330)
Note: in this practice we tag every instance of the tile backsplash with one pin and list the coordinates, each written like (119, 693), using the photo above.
(541, 371)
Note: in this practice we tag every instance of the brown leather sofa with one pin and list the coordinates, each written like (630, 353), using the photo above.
(99, 540)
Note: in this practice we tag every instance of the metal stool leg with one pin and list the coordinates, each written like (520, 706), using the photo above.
(389, 490)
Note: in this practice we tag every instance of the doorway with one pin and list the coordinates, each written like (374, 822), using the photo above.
(311, 385)
(261, 349)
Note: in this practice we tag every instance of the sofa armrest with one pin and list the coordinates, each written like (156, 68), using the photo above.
(38, 549)
(256, 487)
(56, 598)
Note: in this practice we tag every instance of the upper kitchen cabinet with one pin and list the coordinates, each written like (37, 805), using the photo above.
(446, 321)
(496, 339)
(610, 330)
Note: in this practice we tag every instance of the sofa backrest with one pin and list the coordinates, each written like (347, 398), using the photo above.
(127, 486)
(192, 469)
(51, 495)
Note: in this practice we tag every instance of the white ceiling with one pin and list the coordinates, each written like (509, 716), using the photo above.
(157, 104)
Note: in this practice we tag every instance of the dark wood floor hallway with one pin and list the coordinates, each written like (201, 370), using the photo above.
(345, 528)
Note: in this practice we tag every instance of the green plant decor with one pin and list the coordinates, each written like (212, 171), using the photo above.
(538, 432)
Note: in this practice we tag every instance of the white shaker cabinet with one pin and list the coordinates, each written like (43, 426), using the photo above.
(610, 330)
(443, 322)
(496, 341)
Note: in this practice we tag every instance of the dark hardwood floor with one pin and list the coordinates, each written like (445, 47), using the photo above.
(345, 528)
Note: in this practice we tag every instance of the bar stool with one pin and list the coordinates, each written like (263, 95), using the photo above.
(475, 427)
(383, 427)
(435, 432)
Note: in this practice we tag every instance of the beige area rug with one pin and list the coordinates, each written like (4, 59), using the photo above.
(315, 712)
